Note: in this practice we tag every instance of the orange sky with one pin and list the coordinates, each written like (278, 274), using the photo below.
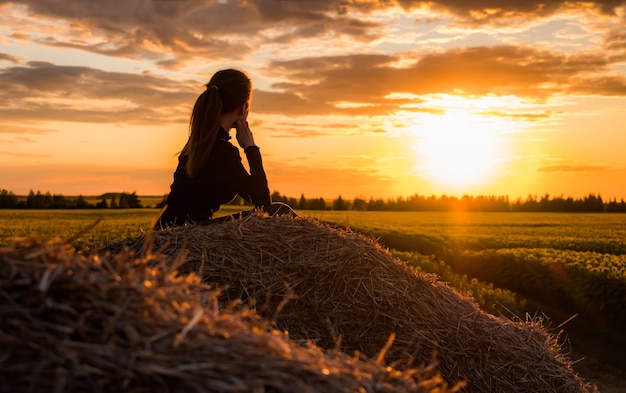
(352, 97)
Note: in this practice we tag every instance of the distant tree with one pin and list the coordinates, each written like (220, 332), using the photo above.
(593, 203)
(122, 203)
(113, 204)
(133, 201)
(30, 200)
(340, 204)
(316, 204)
(376, 205)
(302, 203)
(81, 203)
(102, 204)
(616, 207)
(35, 200)
(8, 200)
(359, 204)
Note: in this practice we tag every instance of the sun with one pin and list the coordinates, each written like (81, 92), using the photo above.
(459, 149)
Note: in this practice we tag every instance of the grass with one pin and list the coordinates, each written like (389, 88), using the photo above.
(86, 229)
(442, 232)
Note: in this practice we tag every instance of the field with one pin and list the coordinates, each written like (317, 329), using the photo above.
(514, 264)
(99, 226)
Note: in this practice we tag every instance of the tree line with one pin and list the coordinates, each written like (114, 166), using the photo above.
(591, 203)
(39, 200)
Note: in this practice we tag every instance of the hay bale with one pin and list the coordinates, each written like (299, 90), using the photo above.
(341, 289)
(114, 324)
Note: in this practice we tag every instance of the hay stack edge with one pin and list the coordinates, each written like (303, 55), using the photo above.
(256, 305)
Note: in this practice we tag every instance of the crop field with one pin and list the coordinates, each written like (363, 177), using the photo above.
(519, 265)
(95, 227)
(605, 233)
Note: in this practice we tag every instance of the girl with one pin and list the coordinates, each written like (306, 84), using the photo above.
(210, 172)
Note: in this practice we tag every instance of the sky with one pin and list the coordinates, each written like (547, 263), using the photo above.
(352, 98)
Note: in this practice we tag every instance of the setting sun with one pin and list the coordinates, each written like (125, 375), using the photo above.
(460, 149)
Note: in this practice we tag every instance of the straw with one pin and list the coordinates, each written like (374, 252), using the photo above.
(118, 323)
(340, 289)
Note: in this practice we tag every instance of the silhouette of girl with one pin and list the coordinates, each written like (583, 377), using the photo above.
(210, 171)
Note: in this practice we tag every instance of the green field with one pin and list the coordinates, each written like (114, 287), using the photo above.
(100, 226)
(512, 264)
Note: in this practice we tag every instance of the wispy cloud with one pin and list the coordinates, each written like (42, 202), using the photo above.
(573, 168)
(10, 58)
(42, 91)
(17, 154)
(23, 130)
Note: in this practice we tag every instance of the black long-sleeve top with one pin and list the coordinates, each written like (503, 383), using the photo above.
(222, 178)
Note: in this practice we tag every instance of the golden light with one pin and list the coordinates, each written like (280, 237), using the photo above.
(460, 149)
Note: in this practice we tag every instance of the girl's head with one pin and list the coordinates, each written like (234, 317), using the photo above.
(228, 91)
(232, 87)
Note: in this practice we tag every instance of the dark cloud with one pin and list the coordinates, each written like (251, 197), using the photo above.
(157, 29)
(615, 42)
(507, 12)
(318, 85)
(175, 33)
(44, 91)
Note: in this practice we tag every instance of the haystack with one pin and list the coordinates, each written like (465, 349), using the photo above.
(114, 324)
(340, 289)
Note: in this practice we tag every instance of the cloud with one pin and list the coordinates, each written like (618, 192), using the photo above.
(173, 33)
(573, 168)
(159, 30)
(530, 116)
(10, 58)
(13, 129)
(352, 85)
(43, 91)
(482, 12)
(615, 42)
(15, 154)
(317, 85)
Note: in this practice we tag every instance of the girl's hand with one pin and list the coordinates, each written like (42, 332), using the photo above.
(244, 135)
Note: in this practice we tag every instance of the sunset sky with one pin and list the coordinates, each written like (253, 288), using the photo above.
(351, 97)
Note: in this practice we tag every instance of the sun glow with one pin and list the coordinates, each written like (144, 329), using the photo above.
(460, 149)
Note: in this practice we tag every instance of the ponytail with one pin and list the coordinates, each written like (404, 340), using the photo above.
(226, 91)
(203, 130)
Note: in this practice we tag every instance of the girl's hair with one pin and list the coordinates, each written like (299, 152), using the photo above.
(226, 91)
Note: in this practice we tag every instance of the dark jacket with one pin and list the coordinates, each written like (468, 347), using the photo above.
(221, 179)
